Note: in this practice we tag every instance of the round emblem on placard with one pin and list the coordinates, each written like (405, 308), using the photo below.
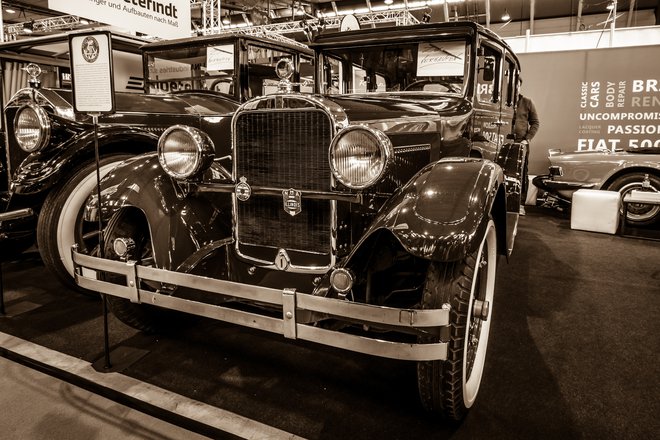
(242, 190)
(90, 49)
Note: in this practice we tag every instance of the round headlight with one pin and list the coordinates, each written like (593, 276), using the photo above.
(31, 128)
(184, 151)
(359, 156)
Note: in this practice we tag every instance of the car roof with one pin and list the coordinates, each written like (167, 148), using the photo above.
(225, 38)
(403, 33)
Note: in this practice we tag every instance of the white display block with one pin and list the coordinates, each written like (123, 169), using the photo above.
(596, 210)
(532, 192)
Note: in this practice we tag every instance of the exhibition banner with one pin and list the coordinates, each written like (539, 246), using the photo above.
(161, 18)
(602, 99)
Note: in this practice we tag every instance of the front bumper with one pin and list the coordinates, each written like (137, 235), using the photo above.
(12, 223)
(291, 303)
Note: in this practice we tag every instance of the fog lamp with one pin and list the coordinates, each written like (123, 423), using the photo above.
(341, 280)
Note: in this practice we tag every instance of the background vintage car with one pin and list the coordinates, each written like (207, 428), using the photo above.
(367, 216)
(621, 171)
(48, 167)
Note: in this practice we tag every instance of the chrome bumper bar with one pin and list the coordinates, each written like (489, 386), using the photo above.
(14, 215)
(290, 301)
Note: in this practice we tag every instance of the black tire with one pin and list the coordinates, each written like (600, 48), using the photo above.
(60, 223)
(130, 223)
(449, 388)
(638, 213)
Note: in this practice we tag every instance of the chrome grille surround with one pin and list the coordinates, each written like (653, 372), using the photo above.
(315, 120)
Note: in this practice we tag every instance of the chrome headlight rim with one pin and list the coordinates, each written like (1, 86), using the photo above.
(204, 151)
(44, 127)
(384, 145)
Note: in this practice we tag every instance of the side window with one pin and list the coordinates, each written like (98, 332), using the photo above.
(306, 69)
(333, 78)
(488, 74)
(509, 82)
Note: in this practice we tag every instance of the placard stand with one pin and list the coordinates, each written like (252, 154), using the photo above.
(93, 94)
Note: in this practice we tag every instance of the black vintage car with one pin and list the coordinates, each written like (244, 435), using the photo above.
(367, 216)
(48, 166)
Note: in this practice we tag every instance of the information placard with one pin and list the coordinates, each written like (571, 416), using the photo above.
(91, 69)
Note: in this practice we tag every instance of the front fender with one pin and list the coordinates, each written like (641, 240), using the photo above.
(511, 158)
(179, 225)
(442, 212)
(43, 170)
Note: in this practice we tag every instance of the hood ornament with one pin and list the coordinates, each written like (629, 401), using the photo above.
(34, 72)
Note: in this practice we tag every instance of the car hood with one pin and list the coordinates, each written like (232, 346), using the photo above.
(364, 108)
(189, 103)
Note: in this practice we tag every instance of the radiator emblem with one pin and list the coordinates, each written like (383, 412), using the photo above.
(282, 260)
(242, 190)
(292, 201)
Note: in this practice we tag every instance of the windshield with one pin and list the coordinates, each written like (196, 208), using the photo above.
(435, 66)
(213, 67)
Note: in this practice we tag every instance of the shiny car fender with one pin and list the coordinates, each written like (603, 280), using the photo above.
(44, 169)
(179, 226)
(441, 213)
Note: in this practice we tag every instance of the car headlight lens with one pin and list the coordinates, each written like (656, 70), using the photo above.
(31, 128)
(185, 152)
(359, 156)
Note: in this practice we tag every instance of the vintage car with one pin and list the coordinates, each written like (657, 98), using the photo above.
(48, 166)
(367, 216)
(623, 171)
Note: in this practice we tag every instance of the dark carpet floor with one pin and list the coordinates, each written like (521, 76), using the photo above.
(573, 351)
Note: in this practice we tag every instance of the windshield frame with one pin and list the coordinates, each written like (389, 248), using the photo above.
(334, 54)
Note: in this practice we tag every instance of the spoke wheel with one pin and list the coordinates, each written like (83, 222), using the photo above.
(450, 387)
(61, 222)
(130, 224)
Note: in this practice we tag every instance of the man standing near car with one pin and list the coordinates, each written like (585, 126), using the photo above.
(525, 125)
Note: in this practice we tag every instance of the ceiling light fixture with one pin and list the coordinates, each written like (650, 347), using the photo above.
(389, 2)
(610, 6)
(506, 16)
(10, 11)
(28, 27)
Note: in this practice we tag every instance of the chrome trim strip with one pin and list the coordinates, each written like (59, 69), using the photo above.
(288, 299)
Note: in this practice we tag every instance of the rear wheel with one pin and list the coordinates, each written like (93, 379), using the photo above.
(450, 387)
(638, 214)
(61, 222)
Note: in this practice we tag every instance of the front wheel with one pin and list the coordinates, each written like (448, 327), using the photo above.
(130, 225)
(450, 387)
(639, 214)
(61, 224)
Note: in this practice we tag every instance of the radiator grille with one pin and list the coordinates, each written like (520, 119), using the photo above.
(284, 149)
(263, 221)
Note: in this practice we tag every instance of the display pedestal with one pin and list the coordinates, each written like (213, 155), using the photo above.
(596, 210)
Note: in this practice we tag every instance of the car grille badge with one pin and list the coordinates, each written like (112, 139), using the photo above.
(292, 201)
(242, 189)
